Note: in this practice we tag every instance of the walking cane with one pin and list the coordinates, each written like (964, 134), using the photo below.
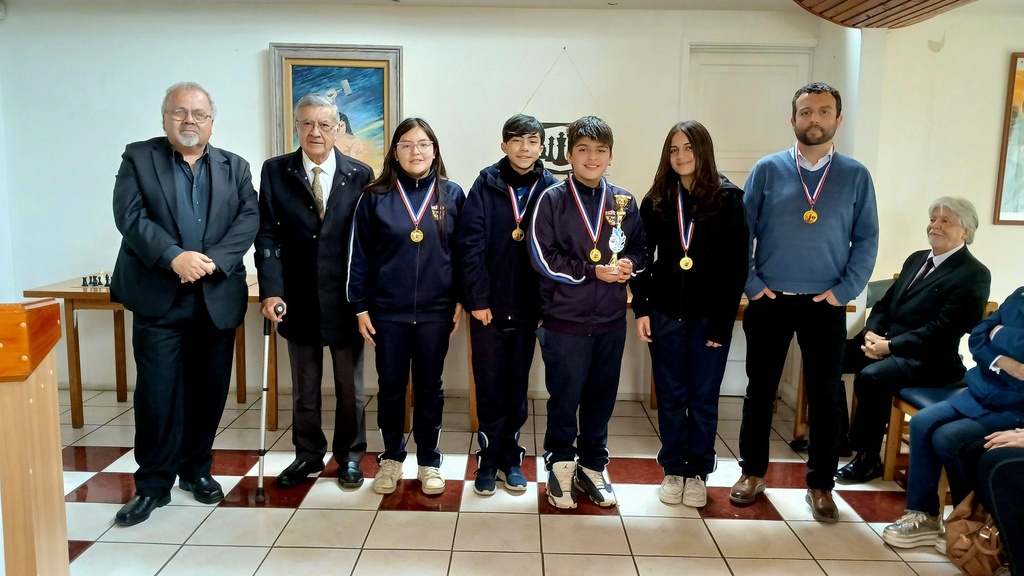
(278, 310)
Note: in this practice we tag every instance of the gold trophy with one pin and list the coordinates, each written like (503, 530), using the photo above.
(617, 241)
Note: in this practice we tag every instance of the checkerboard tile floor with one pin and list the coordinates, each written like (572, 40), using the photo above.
(320, 528)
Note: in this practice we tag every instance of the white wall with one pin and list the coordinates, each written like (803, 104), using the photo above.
(943, 97)
(85, 79)
(7, 287)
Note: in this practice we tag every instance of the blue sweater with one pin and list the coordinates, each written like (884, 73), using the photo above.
(838, 251)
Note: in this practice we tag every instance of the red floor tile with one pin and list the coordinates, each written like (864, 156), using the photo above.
(584, 505)
(528, 468)
(105, 488)
(786, 475)
(76, 547)
(635, 471)
(91, 458)
(234, 462)
(409, 498)
(243, 495)
(719, 506)
(874, 506)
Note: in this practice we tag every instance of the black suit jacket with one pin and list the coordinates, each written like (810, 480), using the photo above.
(925, 321)
(145, 212)
(302, 259)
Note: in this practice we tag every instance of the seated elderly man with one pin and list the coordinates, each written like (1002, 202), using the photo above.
(912, 337)
(950, 430)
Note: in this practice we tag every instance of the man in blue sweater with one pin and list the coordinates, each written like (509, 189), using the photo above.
(814, 237)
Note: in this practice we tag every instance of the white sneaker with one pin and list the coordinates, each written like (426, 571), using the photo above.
(671, 491)
(595, 485)
(430, 480)
(387, 478)
(561, 492)
(695, 493)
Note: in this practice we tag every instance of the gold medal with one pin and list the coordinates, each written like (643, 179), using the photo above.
(810, 216)
(518, 234)
(416, 235)
(595, 255)
(686, 262)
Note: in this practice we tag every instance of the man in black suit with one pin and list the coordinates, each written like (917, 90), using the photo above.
(912, 337)
(306, 203)
(187, 213)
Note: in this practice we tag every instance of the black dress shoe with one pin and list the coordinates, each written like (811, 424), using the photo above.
(297, 472)
(351, 476)
(205, 489)
(138, 509)
(864, 467)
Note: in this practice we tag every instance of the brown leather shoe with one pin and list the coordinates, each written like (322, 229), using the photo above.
(746, 489)
(823, 507)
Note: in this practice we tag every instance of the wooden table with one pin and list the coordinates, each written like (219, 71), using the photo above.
(77, 297)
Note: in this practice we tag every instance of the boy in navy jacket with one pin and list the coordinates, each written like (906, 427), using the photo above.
(501, 292)
(586, 240)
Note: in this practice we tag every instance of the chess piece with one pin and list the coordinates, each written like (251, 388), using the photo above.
(107, 282)
(84, 283)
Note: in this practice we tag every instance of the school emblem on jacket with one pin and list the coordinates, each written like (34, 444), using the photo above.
(438, 211)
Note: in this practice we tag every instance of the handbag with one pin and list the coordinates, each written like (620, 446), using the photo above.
(972, 539)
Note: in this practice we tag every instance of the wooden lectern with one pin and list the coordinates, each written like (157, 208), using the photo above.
(31, 479)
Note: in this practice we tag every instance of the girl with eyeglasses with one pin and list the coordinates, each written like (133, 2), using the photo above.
(402, 282)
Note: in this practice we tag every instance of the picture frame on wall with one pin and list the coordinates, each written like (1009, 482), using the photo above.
(364, 81)
(1010, 187)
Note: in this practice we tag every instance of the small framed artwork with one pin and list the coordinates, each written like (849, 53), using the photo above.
(364, 81)
(1010, 187)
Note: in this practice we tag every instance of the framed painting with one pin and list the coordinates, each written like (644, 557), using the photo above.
(364, 81)
(1010, 187)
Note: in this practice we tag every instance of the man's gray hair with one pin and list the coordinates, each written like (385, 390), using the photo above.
(962, 208)
(188, 87)
(315, 100)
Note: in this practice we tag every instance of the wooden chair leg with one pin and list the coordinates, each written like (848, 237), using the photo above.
(892, 442)
(943, 490)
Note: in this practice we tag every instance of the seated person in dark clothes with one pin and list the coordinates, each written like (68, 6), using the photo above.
(1000, 483)
(912, 337)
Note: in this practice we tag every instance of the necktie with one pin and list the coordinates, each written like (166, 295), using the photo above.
(318, 192)
(928, 266)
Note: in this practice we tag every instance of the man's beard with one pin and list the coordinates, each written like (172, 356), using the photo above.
(826, 135)
(188, 139)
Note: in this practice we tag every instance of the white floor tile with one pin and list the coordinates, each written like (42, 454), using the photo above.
(244, 439)
(167, 525)
(497, 532)
(413, 531)
(491, 563)
(308, 561)
(772, 567)
(73, 480)
(756, 539)
(327, 494)
(327, 528)
(109, 436)
(583, 535)
(865, 568)
(215, 561)
(585, 564)
(791, 505)
(665, 566)
(105, 398)
(242, 527)
(642, 500)
(98, 415)
(88, 521)
(501, 501)
(669, 537)
(418, 562)
(116, 559)
(842, 541)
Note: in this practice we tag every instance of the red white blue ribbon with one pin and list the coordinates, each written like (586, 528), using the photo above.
(811, 199)
(686, 238)
(516, 212)
(594, 231)
(416, 217)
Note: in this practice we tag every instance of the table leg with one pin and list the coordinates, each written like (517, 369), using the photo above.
(74, 364)
(240, 363)
(120, 361)
(272, 381)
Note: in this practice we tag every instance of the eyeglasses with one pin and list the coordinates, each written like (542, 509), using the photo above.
(307, 125)
(180, 114)
(406, 147)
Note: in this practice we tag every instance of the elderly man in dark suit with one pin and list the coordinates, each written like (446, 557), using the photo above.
(912, 336)
(187, 213)
(306, 204)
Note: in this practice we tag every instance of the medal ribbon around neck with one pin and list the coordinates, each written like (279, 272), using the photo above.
(811, 199)
(516, 212)
(423, 209)
(595, 232)
(687, 238)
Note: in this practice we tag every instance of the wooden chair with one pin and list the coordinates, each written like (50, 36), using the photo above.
(905, 404)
